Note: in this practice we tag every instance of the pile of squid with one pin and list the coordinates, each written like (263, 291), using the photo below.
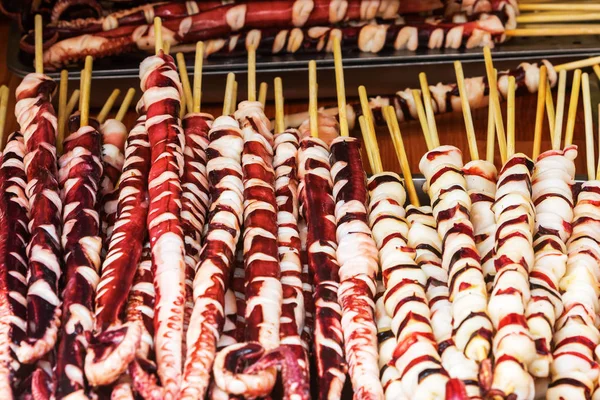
(212, 257)
(272, 27)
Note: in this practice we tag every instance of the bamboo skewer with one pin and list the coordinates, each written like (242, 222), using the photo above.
(392, 122)
(62, 109)
(166, 46)
(589, 127)
(234, 96)
(588, 62)
(495, 100)
(422, 118)
(597, 70)
(367, 112)
(262, 93)
(158, 40)
(312, 101)
(185, 82)
(340, 86)
(227, 100)
(550, 109)
(466, 109)
(251, 73)
(73, 101)
(364, 129)
(491, 135)
(573, 104)
(598, 170)
(279, 106)
(539, 114)
(197, 89)
(4, 92)
(560, 7)
(560, 17)
(510, 119)
(39, 45)
(108, 105)
(579, 30)
(125, 104)
(81, 83)
(85, 93)
(433, 133)
(560, 110)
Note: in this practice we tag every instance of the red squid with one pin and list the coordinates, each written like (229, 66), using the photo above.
(115, 343)
(14, 236)
(37, 119)
(79, 178)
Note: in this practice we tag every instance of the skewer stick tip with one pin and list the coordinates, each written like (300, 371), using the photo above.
(125, 104)
(340, 86)
(251, 73)
(85, 95)
(158, 40)
(4, 93)
(279, 111)
(262, 93)
(108, 105)
(466, 109)
(39, 44)
(313, 103)
(197, 85)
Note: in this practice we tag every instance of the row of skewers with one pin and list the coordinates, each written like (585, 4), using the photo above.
(297, 26)
(204, 256)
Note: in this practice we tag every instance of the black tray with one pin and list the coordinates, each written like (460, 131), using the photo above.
(383, 73)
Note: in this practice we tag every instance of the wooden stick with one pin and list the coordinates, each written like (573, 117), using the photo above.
(597, 70)
(573, 104)
(366, 110)
(4, 93)
(374, 147)
(185, 82)
(550, 110)
(362, 122)
(251, 73)
(495, 100)
(340, 86)
(312, 99)
(234, 96)
(580, 30)
(422, 119)
(535, 18)
(491, 135)
(262, 93)
(539, 114)
(588, 62)
(392, 122)
(81, 83)
(598, 170)
(125, 104)
(560, 110)
(589, 127)
(510, 119)
(73, 101)
(229, 86)
(198, 64)
(466, 109)
(435, 140)
(166, 46)
(108, 105)
(39, 44)
(279, 106)
(158, 40)
(85, 95)
(62, 109)
(560, 7)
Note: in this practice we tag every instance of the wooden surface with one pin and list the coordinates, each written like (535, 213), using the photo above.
(450, 126)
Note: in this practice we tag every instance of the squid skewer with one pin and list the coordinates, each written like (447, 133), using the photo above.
(14, 234)
(224, 222)
(79, 179)
(356, 254)
(115, 343)
(423, 245)
(162, 100)
(37, 119)
(285, 162)
(451, 206)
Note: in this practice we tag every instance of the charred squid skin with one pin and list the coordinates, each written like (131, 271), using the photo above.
(318, 208)
(224, 222)
(115, 344)
(14, 235)
(79, 178)
(194, 197)
(293, 312)
(37, 119)
(162, 99)
(358, 258)
(61, 6)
